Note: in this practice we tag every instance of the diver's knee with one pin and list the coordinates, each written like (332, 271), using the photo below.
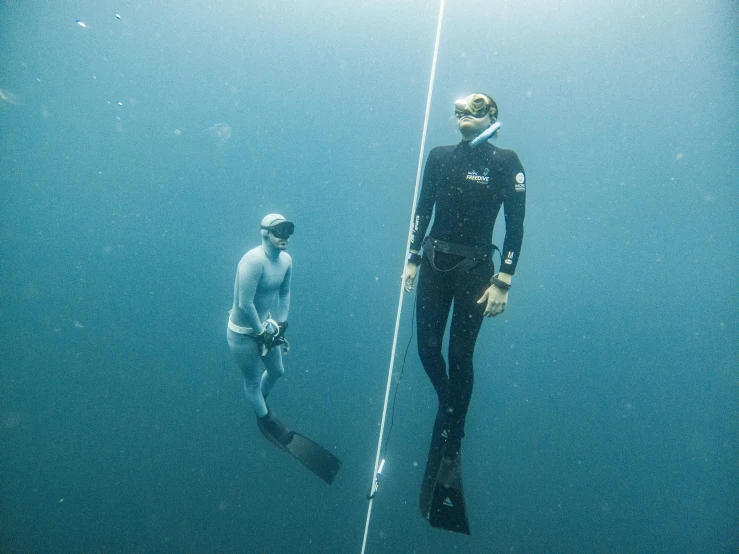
(428, 348)
(460, 349)
(275, 368)
(252, 389)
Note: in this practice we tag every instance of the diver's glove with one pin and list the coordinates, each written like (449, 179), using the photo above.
(272, 335)
(278, 339)
(263, 339)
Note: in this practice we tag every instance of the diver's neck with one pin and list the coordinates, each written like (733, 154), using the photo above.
(270, 251)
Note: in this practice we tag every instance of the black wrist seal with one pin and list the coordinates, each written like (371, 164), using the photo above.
(500, 284)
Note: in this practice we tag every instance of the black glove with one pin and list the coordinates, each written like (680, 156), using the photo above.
(263, 339)
(278, 339)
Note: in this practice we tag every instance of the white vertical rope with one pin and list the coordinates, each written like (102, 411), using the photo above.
(378, 466)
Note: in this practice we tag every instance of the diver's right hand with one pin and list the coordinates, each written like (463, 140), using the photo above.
(262, 338)
(265, 339)
(409, 276)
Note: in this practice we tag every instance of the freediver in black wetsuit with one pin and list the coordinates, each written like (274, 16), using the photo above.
(464, 186)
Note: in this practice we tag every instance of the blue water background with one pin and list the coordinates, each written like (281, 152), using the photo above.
(605, 416)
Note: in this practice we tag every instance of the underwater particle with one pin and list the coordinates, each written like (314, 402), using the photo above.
(221, 132)
(81, 24)
(117, 16)
(119, 103)
(177, 132)
(8, 97)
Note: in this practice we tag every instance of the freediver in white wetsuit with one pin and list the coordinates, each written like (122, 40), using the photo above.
(258, 318)
(256, 336)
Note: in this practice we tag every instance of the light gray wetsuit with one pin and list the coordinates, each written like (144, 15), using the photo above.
(261, 291)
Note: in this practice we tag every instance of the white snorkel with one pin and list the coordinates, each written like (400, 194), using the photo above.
(485, 135)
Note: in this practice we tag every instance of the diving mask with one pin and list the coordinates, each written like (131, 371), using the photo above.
(281, 230)
(477, 106)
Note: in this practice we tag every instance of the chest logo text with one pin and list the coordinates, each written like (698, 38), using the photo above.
(473, 176)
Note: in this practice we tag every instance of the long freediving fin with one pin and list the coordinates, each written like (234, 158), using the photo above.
(436, 453)
(447, 505)
(442, 497)
(309, 453)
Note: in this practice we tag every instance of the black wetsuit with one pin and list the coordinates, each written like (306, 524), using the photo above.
(464, 188)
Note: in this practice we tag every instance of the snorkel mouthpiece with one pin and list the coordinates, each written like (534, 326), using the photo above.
(485, 135)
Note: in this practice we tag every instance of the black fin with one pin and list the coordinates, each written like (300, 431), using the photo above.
(442, 496)
(311, 454)
(447, 505)
(436, 453)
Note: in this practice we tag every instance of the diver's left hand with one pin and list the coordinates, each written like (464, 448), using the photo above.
(278, 339)
(275, 334)
(496, 299)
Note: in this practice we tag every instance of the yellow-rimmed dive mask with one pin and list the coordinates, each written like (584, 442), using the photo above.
(476, 105)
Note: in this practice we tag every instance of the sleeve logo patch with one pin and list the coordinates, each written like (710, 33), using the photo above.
(520, 184)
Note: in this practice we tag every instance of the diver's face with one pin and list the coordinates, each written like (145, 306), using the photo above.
(278, 243)
(469, 125)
